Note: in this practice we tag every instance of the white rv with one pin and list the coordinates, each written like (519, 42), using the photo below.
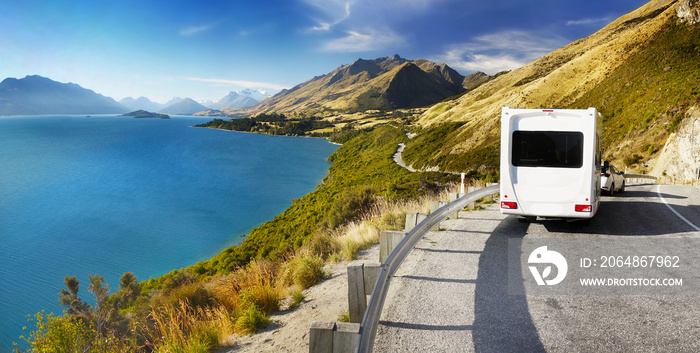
(550, 163)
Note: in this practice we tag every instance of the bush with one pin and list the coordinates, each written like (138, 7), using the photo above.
(305, 270)
(350, 206)
(252, 320)
(322, 245)
(64, 334)
(631, 160)
(265, 297)
(192, 293)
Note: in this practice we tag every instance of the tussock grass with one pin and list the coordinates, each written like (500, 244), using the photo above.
(364, 232)
(297, 298)
(184, 328)
(252, 320)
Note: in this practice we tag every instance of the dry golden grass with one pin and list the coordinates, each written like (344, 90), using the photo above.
(364, 232)
(187, 329)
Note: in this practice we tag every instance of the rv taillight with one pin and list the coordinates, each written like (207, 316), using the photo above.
(583, 208)
(509, 205)
(548, 110)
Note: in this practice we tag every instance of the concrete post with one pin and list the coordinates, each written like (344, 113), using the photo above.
(357, 300)
(345, 337)
(388, 239)
(453, 197)
(413, 218)
(333, 337)
(361, 279)
(490, 197)
(470, 190)
(434, 206)
(321, 337)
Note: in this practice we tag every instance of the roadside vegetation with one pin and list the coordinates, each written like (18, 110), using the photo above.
(196, 309)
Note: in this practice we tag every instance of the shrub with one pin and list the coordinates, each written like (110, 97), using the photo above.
(322, 245)
(265, 297)
(252, 320)
(631, 160)
(350, 206)
(304, 271)
(192, 293)
(64, 334)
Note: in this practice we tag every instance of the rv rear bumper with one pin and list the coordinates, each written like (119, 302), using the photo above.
(549, 210)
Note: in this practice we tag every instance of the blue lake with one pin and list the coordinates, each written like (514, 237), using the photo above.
(110, 194)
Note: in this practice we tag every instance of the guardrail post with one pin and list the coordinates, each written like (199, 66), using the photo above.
(333, 337)
(469, 190)
(345, 337)
(434, 206)
(361, 279)
(321, 337)
(388, 239)
(490, 198)
(413, 218)
(453, 197)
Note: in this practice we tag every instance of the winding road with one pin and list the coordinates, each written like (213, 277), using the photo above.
(452, 292)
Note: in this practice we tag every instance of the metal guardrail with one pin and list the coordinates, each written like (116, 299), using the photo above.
(368, 328)
(639, 176)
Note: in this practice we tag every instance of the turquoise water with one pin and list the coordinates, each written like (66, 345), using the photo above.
(110, 194)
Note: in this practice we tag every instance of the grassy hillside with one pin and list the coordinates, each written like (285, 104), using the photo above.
(647, 97)
(641, 71)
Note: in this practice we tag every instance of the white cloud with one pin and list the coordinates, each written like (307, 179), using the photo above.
(247, 84)
(191, 31)
(334, 13)
(495, 52)
(589, 21)
(369, 40)
(363, 25)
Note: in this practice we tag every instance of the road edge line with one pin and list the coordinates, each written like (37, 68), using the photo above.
(658, 192)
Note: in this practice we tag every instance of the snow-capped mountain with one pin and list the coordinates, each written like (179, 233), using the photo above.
(258, 94)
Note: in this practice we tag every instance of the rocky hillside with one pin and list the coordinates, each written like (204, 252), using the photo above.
(641, 71)
(385, 83)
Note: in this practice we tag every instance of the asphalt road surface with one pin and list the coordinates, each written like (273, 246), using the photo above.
(452, 292)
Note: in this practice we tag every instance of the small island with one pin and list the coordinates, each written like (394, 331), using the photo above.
(145, 114)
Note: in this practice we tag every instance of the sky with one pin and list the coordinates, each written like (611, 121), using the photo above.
(204, 49)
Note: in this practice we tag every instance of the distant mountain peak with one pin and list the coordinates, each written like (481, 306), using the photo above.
(186, 106)
(367, 84)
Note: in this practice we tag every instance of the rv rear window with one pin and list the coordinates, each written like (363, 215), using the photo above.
(558, 149)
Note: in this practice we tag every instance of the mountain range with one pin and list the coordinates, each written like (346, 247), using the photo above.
(39, 95)
(34, 95)
(383, 83)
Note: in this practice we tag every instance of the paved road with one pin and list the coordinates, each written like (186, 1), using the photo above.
(451, 294)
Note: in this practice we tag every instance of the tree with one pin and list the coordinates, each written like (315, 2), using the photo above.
(101, 293)
(129, 287)
(69, 298)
